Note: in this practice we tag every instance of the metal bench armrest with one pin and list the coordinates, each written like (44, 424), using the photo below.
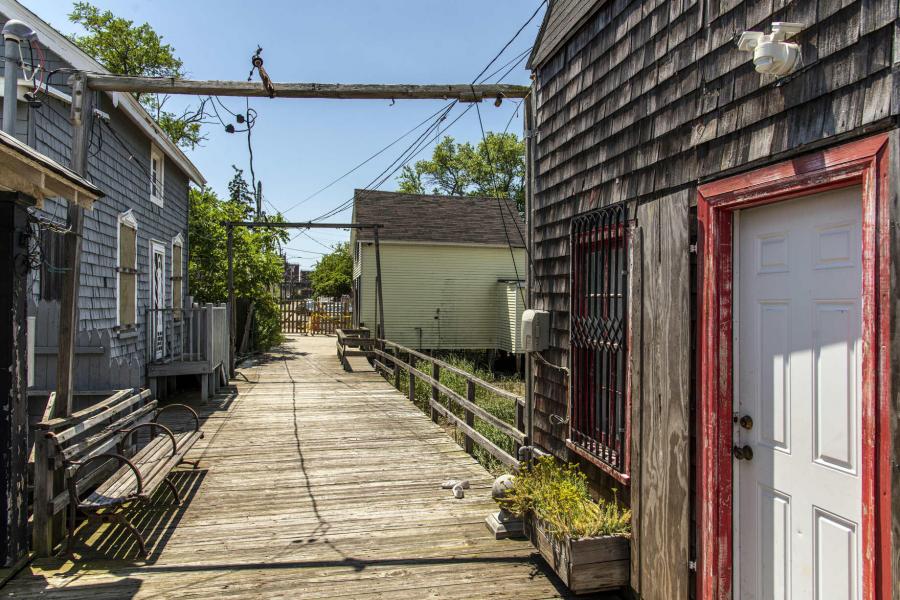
(152, 424)
(73, 479)
(192, 412)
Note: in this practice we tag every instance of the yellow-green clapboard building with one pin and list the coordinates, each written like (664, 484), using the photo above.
(453, 269)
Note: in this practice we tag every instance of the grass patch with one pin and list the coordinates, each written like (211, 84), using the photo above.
(558, 495)
(498, 406)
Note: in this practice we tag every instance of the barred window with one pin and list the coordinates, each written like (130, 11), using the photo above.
(599, 401)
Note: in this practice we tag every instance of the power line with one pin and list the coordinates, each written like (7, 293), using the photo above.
(398, 163)
(366, 161)
(413, 149)
(516, 58)
(511, 40)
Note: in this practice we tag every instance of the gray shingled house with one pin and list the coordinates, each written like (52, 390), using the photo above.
(135, 245)
(452, 269)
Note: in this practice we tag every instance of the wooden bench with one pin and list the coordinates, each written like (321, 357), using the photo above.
(104, 469)
(348, 339)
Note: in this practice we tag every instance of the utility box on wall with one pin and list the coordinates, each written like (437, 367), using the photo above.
(535, 330)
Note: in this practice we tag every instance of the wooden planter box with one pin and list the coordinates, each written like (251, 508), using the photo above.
(588, 565)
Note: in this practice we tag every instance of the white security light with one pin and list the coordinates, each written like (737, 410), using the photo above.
(772, 55)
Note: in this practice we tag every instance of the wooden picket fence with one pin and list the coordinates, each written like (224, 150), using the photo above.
(314, 318)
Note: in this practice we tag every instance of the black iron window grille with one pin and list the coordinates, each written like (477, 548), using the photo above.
(599, 401)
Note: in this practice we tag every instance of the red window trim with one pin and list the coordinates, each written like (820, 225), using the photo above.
(863, 162)
(625, 232)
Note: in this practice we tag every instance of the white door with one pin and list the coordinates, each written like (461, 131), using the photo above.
(158, 298)
(798, 500)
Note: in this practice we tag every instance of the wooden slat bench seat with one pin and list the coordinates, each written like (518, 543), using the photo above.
(103, 466)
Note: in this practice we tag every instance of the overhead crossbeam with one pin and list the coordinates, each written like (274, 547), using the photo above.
(463, 92)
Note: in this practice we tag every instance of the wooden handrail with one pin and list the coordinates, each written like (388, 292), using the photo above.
(443, 365)
(390, 362)
(479, 412)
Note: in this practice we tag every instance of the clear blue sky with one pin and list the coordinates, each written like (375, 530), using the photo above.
(301, 145)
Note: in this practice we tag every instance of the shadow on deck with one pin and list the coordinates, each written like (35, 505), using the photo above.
(314, 483)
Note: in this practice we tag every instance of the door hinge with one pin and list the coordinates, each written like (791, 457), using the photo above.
(693, 248)
(692, 565)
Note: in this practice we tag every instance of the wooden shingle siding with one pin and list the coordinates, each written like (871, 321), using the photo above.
(650, 96)
(642, 101)
(115, 166)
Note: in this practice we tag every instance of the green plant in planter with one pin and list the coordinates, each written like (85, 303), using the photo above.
(558, 495)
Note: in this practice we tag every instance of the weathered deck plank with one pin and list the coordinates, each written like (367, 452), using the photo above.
(314, 483)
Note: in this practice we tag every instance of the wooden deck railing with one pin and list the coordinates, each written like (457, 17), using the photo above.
(196, 334)
(388, 357)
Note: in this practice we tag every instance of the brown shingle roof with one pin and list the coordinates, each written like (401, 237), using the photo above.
(442, 219)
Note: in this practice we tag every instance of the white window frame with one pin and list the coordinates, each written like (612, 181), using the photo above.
(157, 190)
(126, 218)
(178, 240)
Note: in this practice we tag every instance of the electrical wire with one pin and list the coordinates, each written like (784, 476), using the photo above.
(511, 40)
(512, 253)
(408, 153)
(366, 161)
(514, 59)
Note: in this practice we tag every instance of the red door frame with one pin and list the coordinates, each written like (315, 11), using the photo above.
(865, 163)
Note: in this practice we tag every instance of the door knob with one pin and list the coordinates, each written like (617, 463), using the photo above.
(746, 422)
(742, 452)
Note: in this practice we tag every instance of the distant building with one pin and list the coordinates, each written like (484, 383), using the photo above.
(297, 282)
(291, 272)
(452, 269)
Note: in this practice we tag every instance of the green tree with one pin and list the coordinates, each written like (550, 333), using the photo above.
(128, 49)
(333, 273)
(258, 266)
(495, 167)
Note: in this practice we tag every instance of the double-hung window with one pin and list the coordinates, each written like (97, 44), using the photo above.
(598, 424)
(177, 276)
(157, 175)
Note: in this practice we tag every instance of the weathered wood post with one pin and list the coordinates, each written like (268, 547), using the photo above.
(435, 392)
(42, 523)
(412, 387)
(208, 383)
(529, 272)
(397, 369)
(379, 328)
(520, 425)
(231, 307)
(81, 116)
(470, 416)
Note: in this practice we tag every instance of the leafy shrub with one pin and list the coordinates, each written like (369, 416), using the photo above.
(558, 495)
(258, 265)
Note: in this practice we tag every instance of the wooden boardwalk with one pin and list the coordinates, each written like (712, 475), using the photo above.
(313, 483)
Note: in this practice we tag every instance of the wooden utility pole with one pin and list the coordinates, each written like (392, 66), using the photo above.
(379, 329)
(232, 325)
(530, 163)
(81, 116)
(169, 85)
